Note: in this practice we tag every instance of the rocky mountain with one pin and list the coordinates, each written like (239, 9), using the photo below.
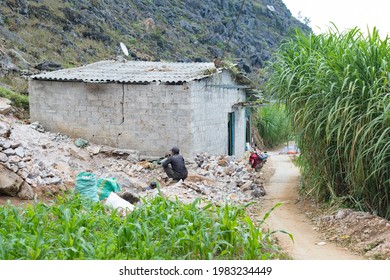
(50, 34)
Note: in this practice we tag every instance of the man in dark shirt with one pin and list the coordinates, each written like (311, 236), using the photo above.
(177, 169)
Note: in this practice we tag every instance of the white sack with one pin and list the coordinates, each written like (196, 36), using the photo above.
(115, 201)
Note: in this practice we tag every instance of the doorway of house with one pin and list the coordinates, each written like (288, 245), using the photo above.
(231, 134)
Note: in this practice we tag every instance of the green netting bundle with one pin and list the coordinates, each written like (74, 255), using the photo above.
(86, 185)
(105, 186)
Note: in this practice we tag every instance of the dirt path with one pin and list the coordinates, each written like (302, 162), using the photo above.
(283, 187)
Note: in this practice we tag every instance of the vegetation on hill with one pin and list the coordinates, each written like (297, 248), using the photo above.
(336, 89)
(18, 100)
(72, 33)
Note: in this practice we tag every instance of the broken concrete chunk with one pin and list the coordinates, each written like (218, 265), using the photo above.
(7, 145)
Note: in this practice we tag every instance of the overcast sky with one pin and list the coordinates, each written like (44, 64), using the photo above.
(345, 14)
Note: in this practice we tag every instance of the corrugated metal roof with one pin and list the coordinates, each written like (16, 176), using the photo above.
(131, 72)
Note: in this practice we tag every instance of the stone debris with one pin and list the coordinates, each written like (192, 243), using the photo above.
(5, 105)
(4, 130)
(37, 126)
(45, 160)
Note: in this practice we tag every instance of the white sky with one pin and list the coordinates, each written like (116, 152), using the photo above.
(346, 14)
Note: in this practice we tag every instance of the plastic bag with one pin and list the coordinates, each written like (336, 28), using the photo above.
(86, 185)
(105, 186)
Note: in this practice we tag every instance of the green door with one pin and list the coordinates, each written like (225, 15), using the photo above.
(231, 134)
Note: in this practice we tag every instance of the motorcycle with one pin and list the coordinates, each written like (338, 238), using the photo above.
(257, 160)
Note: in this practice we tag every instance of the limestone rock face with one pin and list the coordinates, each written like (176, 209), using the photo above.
(202, 30)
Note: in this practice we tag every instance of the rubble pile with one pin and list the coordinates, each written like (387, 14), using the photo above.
(46, 161)
(22, 158)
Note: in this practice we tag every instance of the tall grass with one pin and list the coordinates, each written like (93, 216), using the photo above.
(74, 228)
(336, 88)
(273, 124)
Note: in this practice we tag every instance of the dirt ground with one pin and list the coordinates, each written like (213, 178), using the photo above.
(319, 232)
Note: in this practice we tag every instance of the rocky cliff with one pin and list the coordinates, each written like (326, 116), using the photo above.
(49, 34)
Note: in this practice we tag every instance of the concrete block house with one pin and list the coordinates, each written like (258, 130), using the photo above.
(145, 106)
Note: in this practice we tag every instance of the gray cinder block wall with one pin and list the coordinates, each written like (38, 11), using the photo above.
(211, 102)
(149, 118)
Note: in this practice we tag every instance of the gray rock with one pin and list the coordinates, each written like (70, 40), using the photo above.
(23, 173)
(19, 151)
(32, 182)
(22, 164)
(13, 167)
(5, 130)
(79, 153)
(246, 186)
(25, 192)
(14, 145)
(7, 145)
(341, 214)
(5, 106)
(37, 126)
(3, 157)
(14, 159)
(53, 181)
(258, 192)
(48, 66)
(9, 181)
(133, 156)
(9, 152)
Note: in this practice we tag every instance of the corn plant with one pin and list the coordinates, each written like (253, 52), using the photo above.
(337, 92)
(74, 228)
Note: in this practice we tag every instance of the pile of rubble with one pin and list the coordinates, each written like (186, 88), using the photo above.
(37, 162)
